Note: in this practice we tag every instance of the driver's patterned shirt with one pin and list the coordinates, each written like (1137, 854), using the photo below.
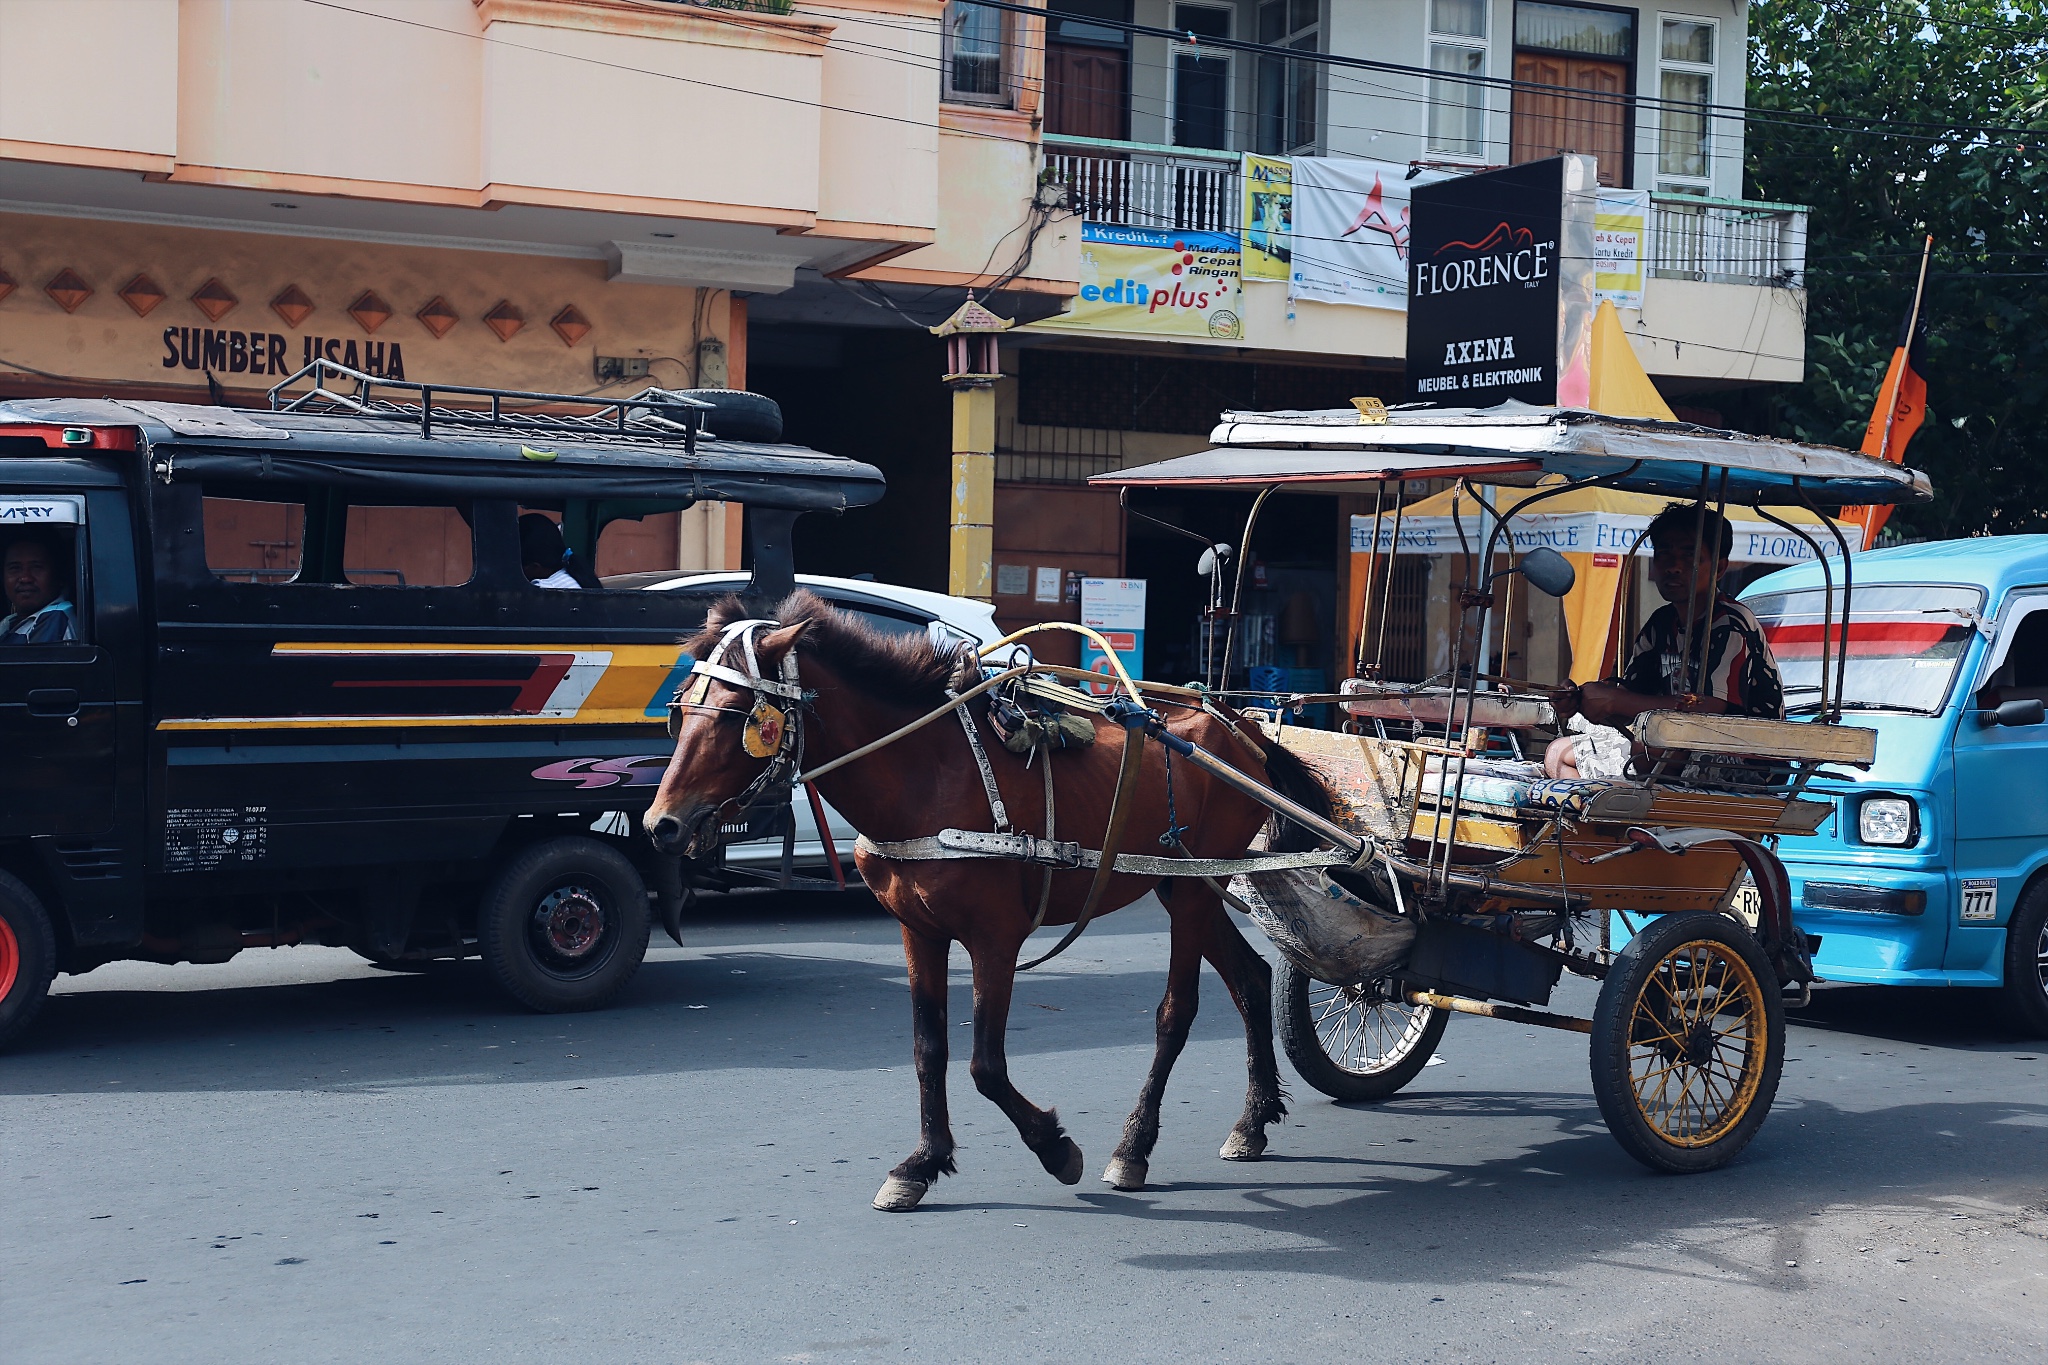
(1740, 669)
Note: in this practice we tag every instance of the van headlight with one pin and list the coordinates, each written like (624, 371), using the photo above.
(1885, 820)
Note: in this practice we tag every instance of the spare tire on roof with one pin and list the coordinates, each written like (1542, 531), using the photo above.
(737, 415)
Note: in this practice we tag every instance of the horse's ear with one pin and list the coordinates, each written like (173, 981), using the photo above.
(772, 646)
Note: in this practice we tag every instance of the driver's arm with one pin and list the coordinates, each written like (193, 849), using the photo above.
(1612, 703)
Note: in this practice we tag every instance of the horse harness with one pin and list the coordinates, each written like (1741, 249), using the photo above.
(776, 734)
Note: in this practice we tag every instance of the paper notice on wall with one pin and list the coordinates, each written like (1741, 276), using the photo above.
(1046, 587)
(1268, 217)
(1350, 242)
(1621, 246)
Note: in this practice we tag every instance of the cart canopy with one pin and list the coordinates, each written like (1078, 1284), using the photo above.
(1515, 443)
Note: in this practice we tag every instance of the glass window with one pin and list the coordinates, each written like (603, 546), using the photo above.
(42, 572)
(1567, 28)
(1204, 21)
(1457, 109)
(1067, 21)
(1905, 644)
(974, 53)
(1687, 40)
(1461, 18)
(1685, 87)
(1285, 94)
(248, 541)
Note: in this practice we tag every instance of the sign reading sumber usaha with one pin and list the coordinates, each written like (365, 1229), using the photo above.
(1489, 278)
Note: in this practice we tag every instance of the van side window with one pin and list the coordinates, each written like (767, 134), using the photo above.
(318, 536)
(2023, 675)
(43, 573)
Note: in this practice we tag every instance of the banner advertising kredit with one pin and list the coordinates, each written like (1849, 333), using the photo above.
(1116, 608)
(1156, 282)
(1500, 303)
(1621, 247)
(1268, 217)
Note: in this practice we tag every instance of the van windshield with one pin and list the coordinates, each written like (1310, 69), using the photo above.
(1905, 644)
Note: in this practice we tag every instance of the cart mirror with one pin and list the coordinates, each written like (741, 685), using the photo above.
(1549, 572)
(1212, 560)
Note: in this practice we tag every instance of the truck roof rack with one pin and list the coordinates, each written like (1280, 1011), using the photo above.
(652, 414)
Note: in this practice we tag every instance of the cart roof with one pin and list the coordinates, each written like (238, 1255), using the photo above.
(1516, 443)
(391, 460)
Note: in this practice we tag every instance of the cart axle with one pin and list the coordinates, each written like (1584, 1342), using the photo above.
(1514, 1014)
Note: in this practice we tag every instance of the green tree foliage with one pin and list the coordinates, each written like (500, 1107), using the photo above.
(1894, 119)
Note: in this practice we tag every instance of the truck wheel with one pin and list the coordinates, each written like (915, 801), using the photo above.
(564, 925)
(28, 957)
(2023, 1000)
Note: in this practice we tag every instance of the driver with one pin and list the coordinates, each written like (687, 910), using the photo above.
(1664, 672)
(32, 574)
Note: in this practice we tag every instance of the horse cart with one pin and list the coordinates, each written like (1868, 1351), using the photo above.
(1464, 881)
(1414, 865)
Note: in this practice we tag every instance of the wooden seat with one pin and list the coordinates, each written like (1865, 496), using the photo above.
(1755, 737)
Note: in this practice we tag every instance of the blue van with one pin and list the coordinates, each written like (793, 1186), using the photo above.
(1933, 868)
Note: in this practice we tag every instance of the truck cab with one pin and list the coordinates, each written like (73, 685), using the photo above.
(217, 755)
(1932, 869)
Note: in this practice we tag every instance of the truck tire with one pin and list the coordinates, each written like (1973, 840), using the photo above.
(2023, 999)
(564, 925)
(28, 957)
(737, 415)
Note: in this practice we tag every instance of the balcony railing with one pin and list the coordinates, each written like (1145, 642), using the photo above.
(1163, 187)
(1725, 241)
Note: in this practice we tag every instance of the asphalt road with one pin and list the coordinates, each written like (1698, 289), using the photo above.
(294, 1157)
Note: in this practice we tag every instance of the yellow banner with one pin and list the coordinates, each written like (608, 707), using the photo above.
(1268, 217)
(1157, 282)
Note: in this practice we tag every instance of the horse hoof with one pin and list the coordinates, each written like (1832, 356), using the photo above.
(1125, 1175)
(899, 1195)
(1239, 1147)
(1064, 1163)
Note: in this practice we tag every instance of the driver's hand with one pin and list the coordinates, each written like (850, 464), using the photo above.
(1565, 701)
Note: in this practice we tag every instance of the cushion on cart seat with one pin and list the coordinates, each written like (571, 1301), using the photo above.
(1487, 782)
(1566, 795)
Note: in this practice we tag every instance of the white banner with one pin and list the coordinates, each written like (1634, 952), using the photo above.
(1756, 542)
(1622, 224)
(1351, 231)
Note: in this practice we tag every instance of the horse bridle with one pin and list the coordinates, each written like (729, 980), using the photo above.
(778, 730)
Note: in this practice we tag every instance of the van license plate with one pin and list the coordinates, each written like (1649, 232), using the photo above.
(1748, 901)
(1980, 900)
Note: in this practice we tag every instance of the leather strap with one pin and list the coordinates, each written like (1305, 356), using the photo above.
(952, 844)
(988, 773)
(1112, 840)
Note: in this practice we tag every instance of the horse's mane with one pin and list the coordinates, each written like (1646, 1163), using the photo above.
(903, 668)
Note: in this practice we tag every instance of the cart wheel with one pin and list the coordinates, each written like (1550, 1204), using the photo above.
(1353, 1042)
(2023, 1000)
(28, 957)
(1688, 1041)
(564, 925)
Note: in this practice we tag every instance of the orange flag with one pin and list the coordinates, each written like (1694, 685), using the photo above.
(1901, 404)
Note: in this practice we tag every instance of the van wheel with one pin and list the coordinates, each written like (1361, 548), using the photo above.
(28, 957)
(564, 925)
(2023, 1000)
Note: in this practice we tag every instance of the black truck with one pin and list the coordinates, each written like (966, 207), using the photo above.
(226, 755)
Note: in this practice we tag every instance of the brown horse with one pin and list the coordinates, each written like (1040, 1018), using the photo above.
(868, 685)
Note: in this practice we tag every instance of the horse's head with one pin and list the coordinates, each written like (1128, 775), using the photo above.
(733, 721)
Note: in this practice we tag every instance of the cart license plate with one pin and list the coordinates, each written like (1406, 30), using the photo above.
(1980, 900)
(1748, 901)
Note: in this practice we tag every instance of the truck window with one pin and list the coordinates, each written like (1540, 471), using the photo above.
(2022, 675)
(318, 538)
(43, 573)
(248, 541)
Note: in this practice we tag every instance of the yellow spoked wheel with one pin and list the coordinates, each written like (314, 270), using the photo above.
(1688, 1042)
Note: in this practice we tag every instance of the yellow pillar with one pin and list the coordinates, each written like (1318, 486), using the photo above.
(972, 506)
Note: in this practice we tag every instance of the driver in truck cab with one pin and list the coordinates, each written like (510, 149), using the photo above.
(1664, 672)
(32, 575)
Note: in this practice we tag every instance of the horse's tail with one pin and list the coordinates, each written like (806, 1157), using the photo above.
(1289, 776)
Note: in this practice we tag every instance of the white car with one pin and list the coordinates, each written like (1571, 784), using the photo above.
(885, 606)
